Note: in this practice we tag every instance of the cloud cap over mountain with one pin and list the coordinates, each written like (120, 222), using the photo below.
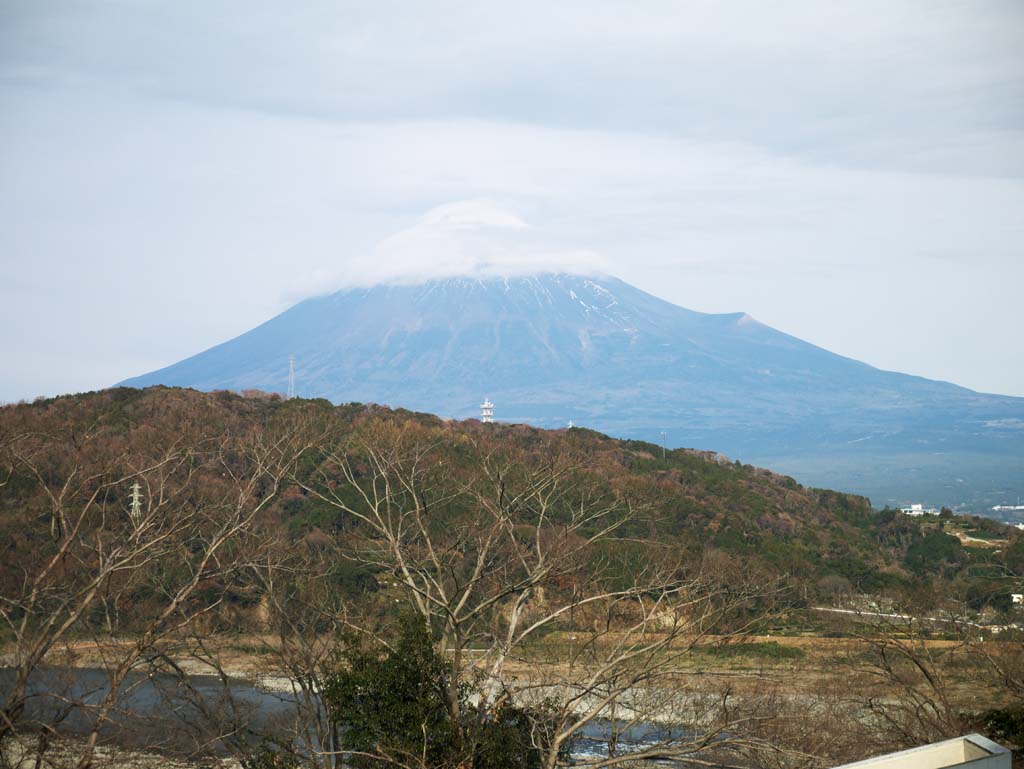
(469, 238)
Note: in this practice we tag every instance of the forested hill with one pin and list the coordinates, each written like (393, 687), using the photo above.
(688, 502)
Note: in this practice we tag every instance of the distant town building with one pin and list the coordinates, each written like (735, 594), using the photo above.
(917, 510)
(487, 411)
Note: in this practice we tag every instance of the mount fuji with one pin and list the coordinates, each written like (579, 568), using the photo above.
(550, 348)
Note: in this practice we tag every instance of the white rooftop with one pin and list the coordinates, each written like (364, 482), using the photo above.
(972, 750)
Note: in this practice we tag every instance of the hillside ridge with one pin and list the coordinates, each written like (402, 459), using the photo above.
(697, 501)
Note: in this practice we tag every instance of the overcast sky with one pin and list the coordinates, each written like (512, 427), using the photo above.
(173, 173)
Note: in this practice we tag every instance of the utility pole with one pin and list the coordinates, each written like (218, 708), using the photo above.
(291, 376)
(664, 438)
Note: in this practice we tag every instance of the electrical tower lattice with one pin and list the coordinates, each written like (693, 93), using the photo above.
(136, 509)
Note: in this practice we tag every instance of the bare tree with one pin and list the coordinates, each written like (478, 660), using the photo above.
(916, 677)
(508, 557)
(122, 577)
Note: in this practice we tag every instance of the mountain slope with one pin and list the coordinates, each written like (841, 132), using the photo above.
(552, 348)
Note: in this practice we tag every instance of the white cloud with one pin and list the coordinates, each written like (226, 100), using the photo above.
(173, 174)
(474, 238)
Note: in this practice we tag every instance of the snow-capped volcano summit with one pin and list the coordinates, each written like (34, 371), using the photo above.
(553, 347)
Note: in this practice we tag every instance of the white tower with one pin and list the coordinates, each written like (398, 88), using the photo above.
(291, 377)
(487, 411)
(136, 509)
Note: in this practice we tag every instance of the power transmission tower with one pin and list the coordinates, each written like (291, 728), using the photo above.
(664, 440)
(487, 411)
(291, 377)
(136, 509)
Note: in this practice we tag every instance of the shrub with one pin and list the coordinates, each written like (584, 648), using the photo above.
(397, 705)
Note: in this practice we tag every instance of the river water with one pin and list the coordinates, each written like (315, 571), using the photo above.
(159, 712)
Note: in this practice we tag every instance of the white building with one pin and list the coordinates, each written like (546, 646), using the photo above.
(917, 510)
